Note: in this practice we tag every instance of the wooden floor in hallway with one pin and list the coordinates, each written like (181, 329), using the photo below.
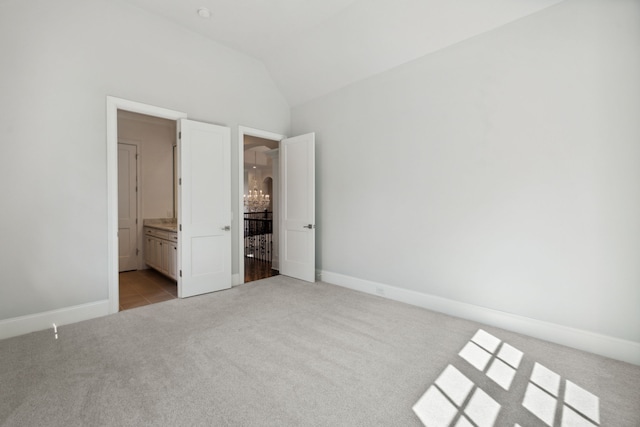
(256, 270)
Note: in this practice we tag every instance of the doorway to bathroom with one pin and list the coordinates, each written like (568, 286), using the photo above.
(146, 197)
(204, 212)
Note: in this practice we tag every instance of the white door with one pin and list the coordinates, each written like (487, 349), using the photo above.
(127, 208)
(204, 208)
(297, 207)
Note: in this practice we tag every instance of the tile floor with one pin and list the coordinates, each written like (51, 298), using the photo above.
(144, 287)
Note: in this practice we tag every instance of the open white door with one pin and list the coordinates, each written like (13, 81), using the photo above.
(204, 208)
(298, 208)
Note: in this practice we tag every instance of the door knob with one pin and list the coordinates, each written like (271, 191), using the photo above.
(226, 228)
(310, 226)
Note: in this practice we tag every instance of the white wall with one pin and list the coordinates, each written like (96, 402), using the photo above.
(59, 62)
(155, 140)
(502, 172)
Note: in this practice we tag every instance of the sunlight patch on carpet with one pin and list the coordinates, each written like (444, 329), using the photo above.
(544, 392)
(455, 400)
(448, 399)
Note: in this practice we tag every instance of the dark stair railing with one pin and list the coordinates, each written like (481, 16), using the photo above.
(258, 232)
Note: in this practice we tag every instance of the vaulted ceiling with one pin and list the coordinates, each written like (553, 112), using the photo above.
(313, 47)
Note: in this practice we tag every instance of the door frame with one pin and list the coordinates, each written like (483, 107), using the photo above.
(242, 131)
(113, 105)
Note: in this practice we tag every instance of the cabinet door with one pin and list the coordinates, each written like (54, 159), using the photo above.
(153, 252)
(149, 251)
(172, 260)
(157, 252)
(165, 248)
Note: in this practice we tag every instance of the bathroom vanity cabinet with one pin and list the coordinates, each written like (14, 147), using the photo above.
(161, 250)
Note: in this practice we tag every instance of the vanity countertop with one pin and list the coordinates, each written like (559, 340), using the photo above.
(167, 224)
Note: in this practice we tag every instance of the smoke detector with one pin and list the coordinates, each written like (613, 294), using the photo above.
(205, 13)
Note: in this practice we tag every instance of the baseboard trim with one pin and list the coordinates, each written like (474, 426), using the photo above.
(235, 280)
(604, 345)
(63, 316)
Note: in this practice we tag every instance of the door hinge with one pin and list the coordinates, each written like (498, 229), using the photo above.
(179, 181)
(136, 220)
(179, 135)
(180, 227)
(180, 273)
(137, 251)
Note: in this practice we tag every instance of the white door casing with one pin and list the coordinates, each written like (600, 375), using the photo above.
(127, 207)
(204, 208)
(297, 207)
(275, 196)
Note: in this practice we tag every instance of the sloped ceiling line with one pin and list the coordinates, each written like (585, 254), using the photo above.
(315, 47)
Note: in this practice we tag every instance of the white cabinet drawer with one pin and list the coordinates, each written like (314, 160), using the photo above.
(161, 234)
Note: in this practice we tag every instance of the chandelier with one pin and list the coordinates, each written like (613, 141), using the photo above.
(256, 201)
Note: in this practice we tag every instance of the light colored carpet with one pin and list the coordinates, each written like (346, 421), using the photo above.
(280, 352)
